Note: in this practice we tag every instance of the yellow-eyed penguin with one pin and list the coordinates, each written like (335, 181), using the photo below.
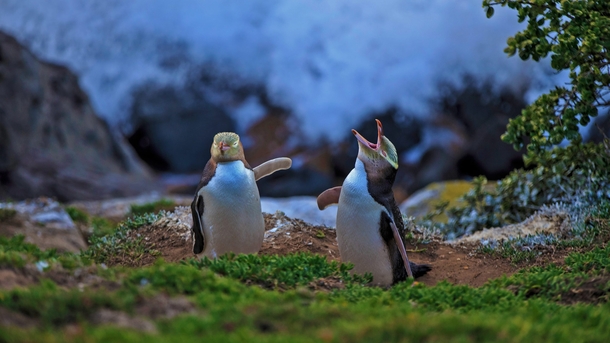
(369, 224)
(226, 210)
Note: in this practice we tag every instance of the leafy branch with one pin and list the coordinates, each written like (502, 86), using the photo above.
(576, 35)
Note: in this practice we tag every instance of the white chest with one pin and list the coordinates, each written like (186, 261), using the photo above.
(232, 218)
(358, 236)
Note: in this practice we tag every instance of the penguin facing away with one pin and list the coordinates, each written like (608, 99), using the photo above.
(369, 223)
(226, 209)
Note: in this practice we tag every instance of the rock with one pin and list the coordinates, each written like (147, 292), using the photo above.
(425, 200)
(51, 141)
(44, 223)
(117, 209)
(547, 221)
(483, 112)
(175, 127)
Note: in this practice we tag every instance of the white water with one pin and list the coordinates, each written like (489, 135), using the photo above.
(330, 62)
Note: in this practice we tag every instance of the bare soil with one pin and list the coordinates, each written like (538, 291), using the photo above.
(458, 264)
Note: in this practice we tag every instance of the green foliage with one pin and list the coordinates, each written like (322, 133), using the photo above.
(153, 207)
(57, 306)
(77, 215)
(102, 248)
(232, 307)
(576, 34)
(15, 252)
(579, 173)
(6, 214)
(102, 227)
(273, 270)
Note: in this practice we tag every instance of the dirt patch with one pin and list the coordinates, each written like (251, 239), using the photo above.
(160, 306)
(163, 306)
(120, 319)
(81, 278)
(169, 238)
(326, 284)
(593, 291)
(16, 278)
(458, 264)
(44, 236)
(287, 236)
(11, 318)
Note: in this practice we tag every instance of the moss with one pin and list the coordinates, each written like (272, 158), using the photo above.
(153, 207)
(77, 215)
(6, 214)
(232, 306)
(103, 248)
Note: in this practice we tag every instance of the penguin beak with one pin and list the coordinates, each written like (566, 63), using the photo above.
(222, 146)
(363, 141)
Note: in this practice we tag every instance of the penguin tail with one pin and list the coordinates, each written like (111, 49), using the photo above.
(419, 269)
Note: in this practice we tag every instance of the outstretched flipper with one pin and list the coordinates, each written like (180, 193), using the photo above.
(401, 248)
(329, 197)
(197, 228)
(271, 166)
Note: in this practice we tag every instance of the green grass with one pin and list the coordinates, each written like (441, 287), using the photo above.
(77, 215)
(273, 299)
(103, 248)
(273, 271)
(6, 214)
(14, 251)
(153, 207)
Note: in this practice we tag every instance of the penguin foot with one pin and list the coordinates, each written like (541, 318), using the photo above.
(419, 269)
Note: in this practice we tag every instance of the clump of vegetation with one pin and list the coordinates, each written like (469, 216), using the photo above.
(153, 207)
(77, 215)
(6, 214)
(102, 227)
(15, 252)
(578, 175)
(575, 34)
(273, 271)
(232, 305)
(102, 248)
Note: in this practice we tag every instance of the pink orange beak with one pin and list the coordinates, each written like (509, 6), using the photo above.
(365, 142)
(222, 146)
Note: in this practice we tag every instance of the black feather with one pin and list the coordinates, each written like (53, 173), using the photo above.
(197, 228)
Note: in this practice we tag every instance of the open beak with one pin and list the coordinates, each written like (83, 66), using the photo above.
(366, 143)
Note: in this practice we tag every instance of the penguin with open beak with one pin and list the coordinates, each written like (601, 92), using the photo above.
(226, 209)
(369, 224)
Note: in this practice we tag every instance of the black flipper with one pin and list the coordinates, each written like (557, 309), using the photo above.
(197, 229)
(398, 266)
(419, 269)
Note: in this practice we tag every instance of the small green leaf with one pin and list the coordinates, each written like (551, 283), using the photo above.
(490, 12)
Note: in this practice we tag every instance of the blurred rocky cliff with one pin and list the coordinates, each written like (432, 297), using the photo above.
(51, 141)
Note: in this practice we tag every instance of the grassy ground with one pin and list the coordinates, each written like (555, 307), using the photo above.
(295, 298)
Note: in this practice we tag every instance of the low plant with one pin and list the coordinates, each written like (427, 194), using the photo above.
(102, 248)
(77, 215)
(577, 175)
(6, 214)
(153, 207)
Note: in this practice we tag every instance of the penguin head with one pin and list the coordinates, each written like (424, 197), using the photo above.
(378, 154)
(227, 147)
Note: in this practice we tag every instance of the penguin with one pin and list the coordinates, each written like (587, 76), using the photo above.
(369, 224)
(226, 209)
